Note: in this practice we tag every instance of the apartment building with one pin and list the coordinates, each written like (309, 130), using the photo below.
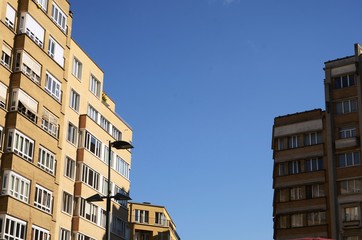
(150, 222)
(317, 175)
(56, 123)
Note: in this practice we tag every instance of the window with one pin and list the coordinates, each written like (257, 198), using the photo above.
(351, 214)
(294, 141)
(92, 113)
(72, 133)
(103, 218)
(3, 93)
(32, 28)
(294, 167)
(347, 133)
(10, 16)
(283, 222)
(21, 144)
(350, 186)
(344, 81)
(88, 210)
(95, 86)
(141, 216)
(16, 186)
(67, 203)
(43, 4)
(122, 167)
(13, 228)
(118, 227)
(69, 168)
(315, 191)
(53, 86)
(81, 236)
(312, 138)
(105, 155)
(77, 68)
(122, 191)
(6, 56)
(316, 218)
(347, 106)
(1, 137)
(116, 133)
(74, 100)
(39, 233)
(283, 195)
(24, 104)
(64, 234)
(46, 160)
(314, 164)
(59, 17)
(28, 65)
(93, 144)
(349, 159)
(282, 169)
(56, 51)
(104, 123)
(297, 220)
(160, 218)
(90, 177)
(50, 123)
(104, 186)
(297, 193)
(43, 199)
(280, 144)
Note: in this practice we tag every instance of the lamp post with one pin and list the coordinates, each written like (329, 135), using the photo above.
(118, 196)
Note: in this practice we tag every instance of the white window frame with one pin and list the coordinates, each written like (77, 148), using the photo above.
(46, 160)
(6, 55)
(74, 100)
(294, 141)
(67, 203)
(88, 210)
(39, 233)
(316, 218)
(81, 236)
(122, 167)
(53, 86)
(141, 216)
(21, 144)
(43, 4)
(56, 51)
(3, 94)
(116, 134)
(104, 123)
(50, 123)
(43, 199)
(348, 132)
(92, 144)
(349, 159)
(72, 133)
(312, 138)
(16, 185)
(13, 228)
(95, 86)
(1, 136)
(351, 186)
(351, 214)
(160, 218)
(93, 113)
(77, 68)
(32, 28)
(10, 16)
(69, 169)
(346, 106)
(64, 234)
(59, 17)
(90, 177)
(297, 220)
(28, 65)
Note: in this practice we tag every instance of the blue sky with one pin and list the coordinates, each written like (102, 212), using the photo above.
(200, 82)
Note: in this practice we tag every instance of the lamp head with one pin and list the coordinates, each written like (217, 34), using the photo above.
(121, 145)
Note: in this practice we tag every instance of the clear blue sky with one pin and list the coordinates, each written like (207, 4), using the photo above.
(200, 82)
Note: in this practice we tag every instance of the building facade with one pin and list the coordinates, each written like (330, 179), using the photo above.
(55, 126)
(150, 222)
(317, 175)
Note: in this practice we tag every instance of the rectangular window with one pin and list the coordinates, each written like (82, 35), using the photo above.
(43, 199)
(59, 17)
(43, 4)
(81, 236)
(72, 133)
(64, 234)
(104, 123)
(116, 133)
(347, 133)
(350, 186)
(105, 155)
(294, 141)
(24, 104)
(122, 167)
(56, 51)
(3, 93)
(104, 186)
(77, 68)
(118, 227)
(93, 113)
(67, 203)
(6, 56)
(90, 177)
(28, 65)
(88, 210)
(53, 86)
(297, 193)
(315, 191)
(46, 160)
(282, 169)
(314, 164)
(280, 144)
(297, 220)
(160, 218)
(316, 218)
(74, 100)
(69, 168)
(95, 86)
(123, 192)
(92, 144)
(283, 222)
(13, 228)
(312, 138)
(294, 167)
(346, 106)
(141, 216)
(103, 218)
(349, 159)
(32, 28)
(49, 123)
(21, 144)
(16, 186)
(344, 81)
(283, 195)
(10, 16)
(39, 233)
(351, 214)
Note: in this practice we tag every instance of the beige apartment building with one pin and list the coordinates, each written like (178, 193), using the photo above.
(317, 176)
(55, 127)
(151, 222)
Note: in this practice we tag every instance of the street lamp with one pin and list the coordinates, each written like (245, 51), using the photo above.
(118, 196)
